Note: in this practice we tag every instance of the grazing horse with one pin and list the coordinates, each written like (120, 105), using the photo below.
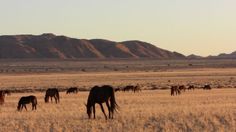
(72, 90)
(191, 87)
(117, 89)
(2, 97)
(130, 88)
(174, 90)
(101, 95)
(26, 100)
(182, 87)
(136, 89)
(7, 92)
(52, 92)
(207, 87)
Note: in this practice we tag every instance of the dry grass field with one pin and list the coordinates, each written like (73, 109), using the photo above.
(153, 109)
(148, 110)
(23, 82)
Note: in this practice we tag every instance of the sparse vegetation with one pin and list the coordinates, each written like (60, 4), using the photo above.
(146, 111)
(152, 109)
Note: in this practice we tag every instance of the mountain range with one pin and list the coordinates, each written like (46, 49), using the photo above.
(50, 46)
(224, 56)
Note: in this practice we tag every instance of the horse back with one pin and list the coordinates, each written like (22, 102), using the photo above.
(27, 99)
(52, 92)
(100, 94)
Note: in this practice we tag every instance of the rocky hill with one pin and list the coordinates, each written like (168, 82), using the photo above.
(62, 47)
(224, 56)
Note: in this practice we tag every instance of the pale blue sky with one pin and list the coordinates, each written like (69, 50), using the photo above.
(201, 27)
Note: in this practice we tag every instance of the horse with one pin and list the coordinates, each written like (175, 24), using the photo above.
(207, 87)
(191, 87)
(52, 92)
(2, 97)
(130, 88)
(26, 100)
(100, 95)
(136, 89)
(117, 89)
(175, 90)
(182, 87)
(7, 92)
(72, 90)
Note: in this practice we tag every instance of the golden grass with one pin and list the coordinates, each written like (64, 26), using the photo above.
(156, 110)
(216, 77)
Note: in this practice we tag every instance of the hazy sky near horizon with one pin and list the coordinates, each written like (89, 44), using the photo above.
(201, 27)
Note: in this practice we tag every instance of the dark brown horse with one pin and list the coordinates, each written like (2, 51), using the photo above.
(2, 97)
(26, 100)
(72, 90)
(137, 89)
(101, 95)
(182, 88)
(131, 88)
(175, 90)
(117, 89)
(207, 87)
(52, 92)
(191, 87)
(7, 92)
(128, 88)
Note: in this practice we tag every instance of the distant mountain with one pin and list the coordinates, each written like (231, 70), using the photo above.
(62, 47)
(224, 56)
(192, 56)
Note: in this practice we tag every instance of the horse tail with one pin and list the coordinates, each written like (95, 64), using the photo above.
(114, 105)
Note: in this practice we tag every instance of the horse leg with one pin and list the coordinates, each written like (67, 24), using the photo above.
(21, 108)
(51, 99)
(103, 110)
(55, 99)
(109, 109)
(94, 115)
(25, 107)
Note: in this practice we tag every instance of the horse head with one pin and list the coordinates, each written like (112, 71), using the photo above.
(89, 112)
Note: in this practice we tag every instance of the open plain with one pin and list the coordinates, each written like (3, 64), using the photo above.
(152, 109)
(149, 110)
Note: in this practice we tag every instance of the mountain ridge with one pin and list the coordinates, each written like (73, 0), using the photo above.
(61, 47)
(224, 56)
(50, 46)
